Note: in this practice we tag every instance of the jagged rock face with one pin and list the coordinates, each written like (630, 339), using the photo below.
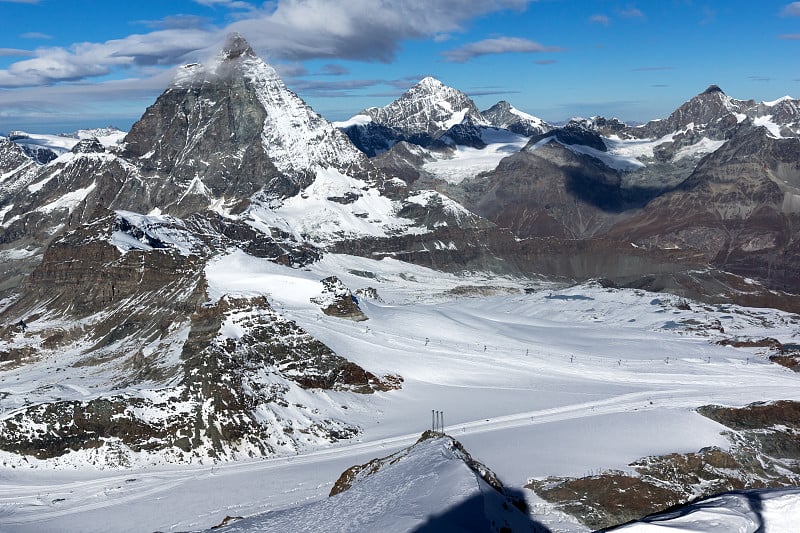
(12, 157)
(371, 138)
(716, 115)
(207, 393)
(785, 113)
(41, 154)
(69, 278)
(228, 398)
(549, 192)
(604, 126)
(337, 300)
(66, 193)
(504, 115)
(763, 453)
(712, 110)
(231, 128)
(125, 295)
(739, 207)
(573, 133)
(88, 146)
(403, 160)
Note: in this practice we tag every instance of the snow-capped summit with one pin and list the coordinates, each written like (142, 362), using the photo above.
(427, 110)
(429, 113)
(506, 116)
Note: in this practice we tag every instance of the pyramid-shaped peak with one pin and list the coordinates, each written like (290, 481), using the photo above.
(236, 59)
(712, 89)
(430, 84)
(236, 46)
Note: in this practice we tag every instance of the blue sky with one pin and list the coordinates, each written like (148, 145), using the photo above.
(68, 64)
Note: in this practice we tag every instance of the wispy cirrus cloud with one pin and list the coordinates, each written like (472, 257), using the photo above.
(600, 19)
(21, 1)
(500, 45)
(14, 52)
(791, 10)
(229, 4)
(332, 69)
(632, 13)
(36, 35)
(790, 36)
(177, 22)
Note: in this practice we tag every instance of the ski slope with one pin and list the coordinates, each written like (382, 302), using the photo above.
(549, 381)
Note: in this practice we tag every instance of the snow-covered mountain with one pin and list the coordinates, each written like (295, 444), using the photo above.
(505, 116)
(221, 129)
(424, 114)
(428, 114)
(715, 114)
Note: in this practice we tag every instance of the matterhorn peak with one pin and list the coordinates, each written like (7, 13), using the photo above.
(236, 46)
(234, 60)
(233, 125)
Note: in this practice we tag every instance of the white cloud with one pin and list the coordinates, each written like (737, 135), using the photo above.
(600, 19)
(86, 60)
(499, 45)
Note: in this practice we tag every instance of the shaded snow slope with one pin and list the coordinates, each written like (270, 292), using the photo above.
(428, 485)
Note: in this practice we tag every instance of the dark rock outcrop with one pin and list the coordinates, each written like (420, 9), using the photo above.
(764, 453)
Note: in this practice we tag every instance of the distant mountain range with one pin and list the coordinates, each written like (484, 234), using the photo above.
(719, 176)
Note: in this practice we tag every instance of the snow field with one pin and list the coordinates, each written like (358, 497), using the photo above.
(561, 381)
